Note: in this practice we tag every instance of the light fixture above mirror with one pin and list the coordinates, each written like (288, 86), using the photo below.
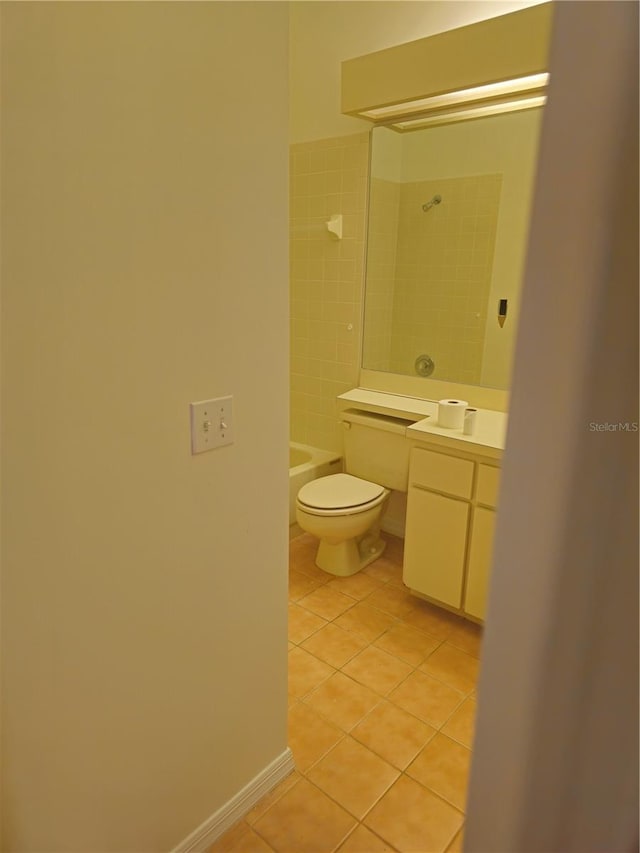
(475, 102)
(491, 67)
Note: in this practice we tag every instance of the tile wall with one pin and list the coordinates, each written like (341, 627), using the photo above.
(429, 277)
(328, 176)
(441, 262)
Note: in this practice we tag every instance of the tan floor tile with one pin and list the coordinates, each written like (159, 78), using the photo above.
(431, 619)
(304, 542)
(304, 820)
(443, 766)
(251, 842)
(455, 668)
(310, 736)
(408, 643)
(378, 670)
(362, 840)
(326, 602)
(366, 621)
(456, 844)
(303, 623)
(353, 776)
(389, 599)
(393, 734)
(426, 698)
(273, 796)
(342, 701)
(413, 819)
(302, 558)
(385, 569)
(466, 636)
(227, 842)
(357, 586)
(461, 725)
(300, 585)
(305, 672)
(334, 645)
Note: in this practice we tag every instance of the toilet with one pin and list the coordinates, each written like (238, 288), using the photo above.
(344, 511)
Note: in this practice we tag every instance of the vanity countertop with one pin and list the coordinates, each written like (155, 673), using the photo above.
(488, 438)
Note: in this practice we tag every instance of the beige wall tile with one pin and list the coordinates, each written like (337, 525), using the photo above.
(328, 176)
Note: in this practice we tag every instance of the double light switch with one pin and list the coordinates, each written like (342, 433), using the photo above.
(211, 424)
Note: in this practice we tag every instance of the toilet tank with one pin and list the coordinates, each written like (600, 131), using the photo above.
(376, 448)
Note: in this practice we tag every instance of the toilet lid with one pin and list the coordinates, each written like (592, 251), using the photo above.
(338, 491)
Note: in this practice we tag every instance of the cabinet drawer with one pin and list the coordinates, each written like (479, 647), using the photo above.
(488, 485)
(441, 473)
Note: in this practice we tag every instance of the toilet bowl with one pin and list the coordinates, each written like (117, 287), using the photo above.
(344, 512)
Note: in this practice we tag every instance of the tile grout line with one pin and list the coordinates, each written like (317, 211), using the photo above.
(397, 620)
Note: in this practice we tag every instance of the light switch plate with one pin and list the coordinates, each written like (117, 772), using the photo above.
(211, 424)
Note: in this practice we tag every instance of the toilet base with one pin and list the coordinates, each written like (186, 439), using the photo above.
(346, 558)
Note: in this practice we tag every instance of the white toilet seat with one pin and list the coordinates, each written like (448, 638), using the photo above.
(340, 494)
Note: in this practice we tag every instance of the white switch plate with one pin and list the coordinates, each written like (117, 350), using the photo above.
(211, 424)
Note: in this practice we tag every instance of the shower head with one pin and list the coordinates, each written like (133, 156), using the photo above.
(429, 204)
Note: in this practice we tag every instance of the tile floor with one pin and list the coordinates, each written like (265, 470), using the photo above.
(381, 715)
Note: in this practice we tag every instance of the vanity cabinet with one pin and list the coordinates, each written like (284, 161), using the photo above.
(449, 532)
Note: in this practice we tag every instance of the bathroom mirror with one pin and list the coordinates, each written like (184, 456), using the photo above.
(449, 210)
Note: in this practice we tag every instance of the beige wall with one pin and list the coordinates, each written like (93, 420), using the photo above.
(144, 266)
(558, 691)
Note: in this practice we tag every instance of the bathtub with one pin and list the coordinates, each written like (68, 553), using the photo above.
(305, 464)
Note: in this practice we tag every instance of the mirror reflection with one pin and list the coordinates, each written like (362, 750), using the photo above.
(448, 223)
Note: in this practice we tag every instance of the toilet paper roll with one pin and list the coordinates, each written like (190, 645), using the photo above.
(451, 413)
(469, 425)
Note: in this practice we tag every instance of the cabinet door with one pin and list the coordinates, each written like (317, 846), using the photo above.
(480, 551)
(434, 545)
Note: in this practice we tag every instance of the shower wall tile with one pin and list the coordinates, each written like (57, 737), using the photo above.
(327, 176)
(444, 260)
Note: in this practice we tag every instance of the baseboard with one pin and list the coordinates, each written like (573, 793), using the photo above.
(237, 807)
(393, 526)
